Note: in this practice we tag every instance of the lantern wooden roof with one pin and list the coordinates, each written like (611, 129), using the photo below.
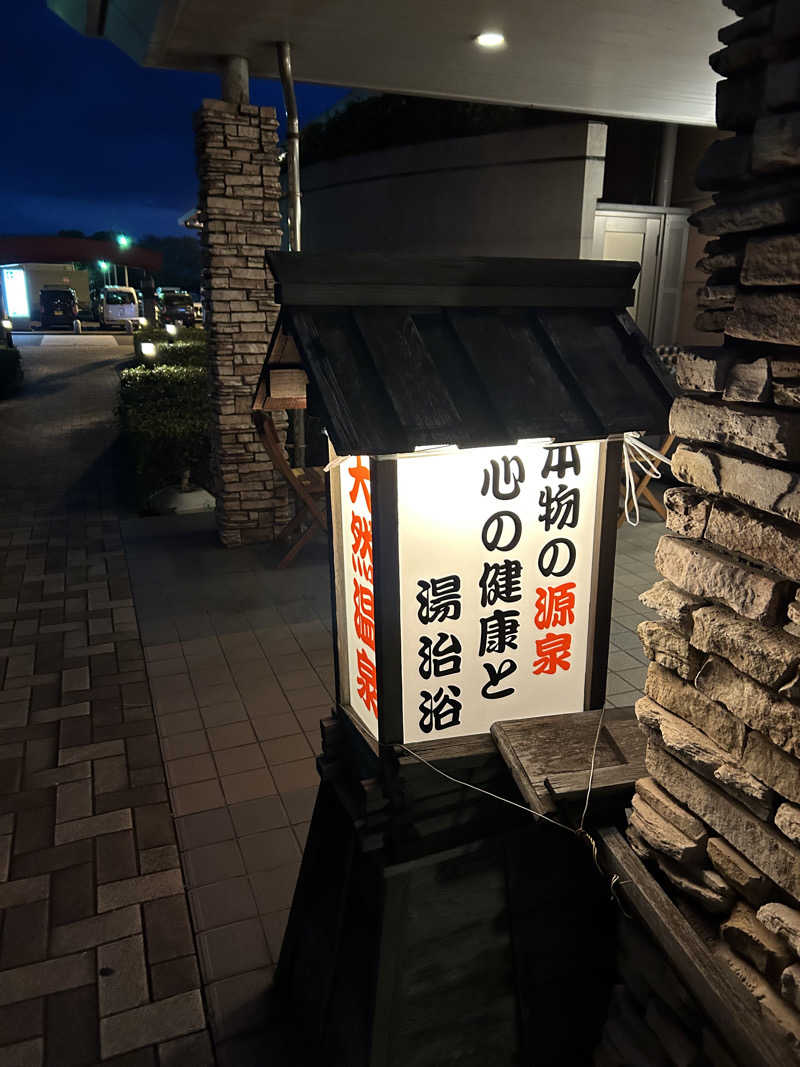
(409, 351)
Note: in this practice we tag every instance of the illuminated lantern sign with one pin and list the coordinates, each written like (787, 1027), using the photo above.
(474, 479)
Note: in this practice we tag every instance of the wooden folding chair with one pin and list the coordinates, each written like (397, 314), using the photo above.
(282, 387)
(642, 486)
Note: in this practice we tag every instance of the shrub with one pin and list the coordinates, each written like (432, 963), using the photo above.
(165, 413)
(184, 352)
(10, 369)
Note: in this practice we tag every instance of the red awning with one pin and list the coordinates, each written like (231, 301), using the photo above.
(45, 249)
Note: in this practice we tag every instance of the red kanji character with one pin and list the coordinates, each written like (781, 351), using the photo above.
(360, 475)
(553, 653)
(555, 606)
(361, 530)
(366, 681)
(364, 616)
(362, 568)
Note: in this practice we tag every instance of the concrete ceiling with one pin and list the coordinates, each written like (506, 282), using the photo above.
(643, 59)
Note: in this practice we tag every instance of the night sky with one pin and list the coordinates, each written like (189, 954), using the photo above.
(90, 140)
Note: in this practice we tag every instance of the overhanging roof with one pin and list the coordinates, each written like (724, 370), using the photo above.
(43, 249)
(635, 58)
(409, 350)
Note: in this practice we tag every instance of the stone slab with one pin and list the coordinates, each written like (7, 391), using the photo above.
(769, 656)
(750, 533)
(770, 432)
(666, 645)
(787, 819)
(705, 573)
(681, 698)
(687, 511)
(673, 604)
(652, 793)
(758, 842)
(746, 879)
(748, 937)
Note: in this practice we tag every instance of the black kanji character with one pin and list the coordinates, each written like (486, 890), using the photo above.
(439, 599)
(561, 508)
(499, 631)
(501, 581)
(440, 657)
(440, 710)
(494, 479)
(561, 458)
(494, 532)
(550, 558)
(496, 676)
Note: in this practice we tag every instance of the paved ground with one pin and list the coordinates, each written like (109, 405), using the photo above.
(159, 717)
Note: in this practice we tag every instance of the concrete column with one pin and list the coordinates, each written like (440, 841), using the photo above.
(236, 148)
(236, 80)
(666, 164)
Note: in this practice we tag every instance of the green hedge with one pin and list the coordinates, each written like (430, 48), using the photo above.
(181, 353)
(10, 369)
(165, 412)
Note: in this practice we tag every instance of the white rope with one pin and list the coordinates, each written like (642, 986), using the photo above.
(636, 452)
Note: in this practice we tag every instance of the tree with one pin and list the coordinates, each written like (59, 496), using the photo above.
(182, 264)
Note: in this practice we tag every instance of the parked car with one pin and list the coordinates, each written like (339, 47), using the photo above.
(58, 306)
(175, 307)
(118, 305)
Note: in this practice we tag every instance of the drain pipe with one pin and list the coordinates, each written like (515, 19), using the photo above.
(293, 190)
(292, 143)
(666, 164)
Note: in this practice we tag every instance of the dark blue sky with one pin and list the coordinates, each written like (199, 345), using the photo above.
(90, 140)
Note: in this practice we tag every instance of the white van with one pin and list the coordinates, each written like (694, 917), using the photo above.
(118, 305)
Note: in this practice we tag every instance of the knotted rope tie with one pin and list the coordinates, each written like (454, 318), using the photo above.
(636, 452)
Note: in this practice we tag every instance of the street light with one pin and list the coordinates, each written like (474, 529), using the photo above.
(104, 266)
(124, 242)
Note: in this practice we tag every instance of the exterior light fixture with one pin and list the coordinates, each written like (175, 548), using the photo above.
(171, 329)
(6, 324)
(123, 241)
(103, 264)
(148, 349)
(490, 39)
(142, 320)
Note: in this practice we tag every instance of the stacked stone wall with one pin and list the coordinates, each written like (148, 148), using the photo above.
(236, 148)
(718, 818)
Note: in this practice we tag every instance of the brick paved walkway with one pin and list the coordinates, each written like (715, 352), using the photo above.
(230, 661)
(97, 957)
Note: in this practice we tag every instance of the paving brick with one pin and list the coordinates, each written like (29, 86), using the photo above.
(236, 1005)
(195, 1049)
(116, 857)
(24, 1054)
(147, 776)
(75, 678)
(299, 804)
(159, 859)
(198, 796)
(73, 801)
(174, 976)
(108, 823)
(154, 826)
(51, 859)
(143, 751)
(152, 1023)
(270, 849)
(49, 976)
(95, 930)
(90, 752)
(34, 828)
(21, 1021)
(167, 929)
(273, 889)
(142, 888)
(286, 749)
(222, 902)
(138, 796)
(270, 727)
(25, 929)
(56, 775)
(72, 1038)
(122, 975)
(254, 816)
(179, 723)
(110, 774)
(274, 928)
(181, 746)
(24, 891)
(6, 841)
(212, 863)
(232, 735)
(204, 828)
(74, 732)
(190, 769)
(72, 894)
(233, 949)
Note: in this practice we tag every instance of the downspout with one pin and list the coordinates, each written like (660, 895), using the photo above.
(293, 198)
(292, 143)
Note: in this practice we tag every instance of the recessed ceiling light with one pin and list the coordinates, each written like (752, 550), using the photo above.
(490, 39)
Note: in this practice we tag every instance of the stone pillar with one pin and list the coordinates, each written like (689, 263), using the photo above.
(237, 166)
(718, 820)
